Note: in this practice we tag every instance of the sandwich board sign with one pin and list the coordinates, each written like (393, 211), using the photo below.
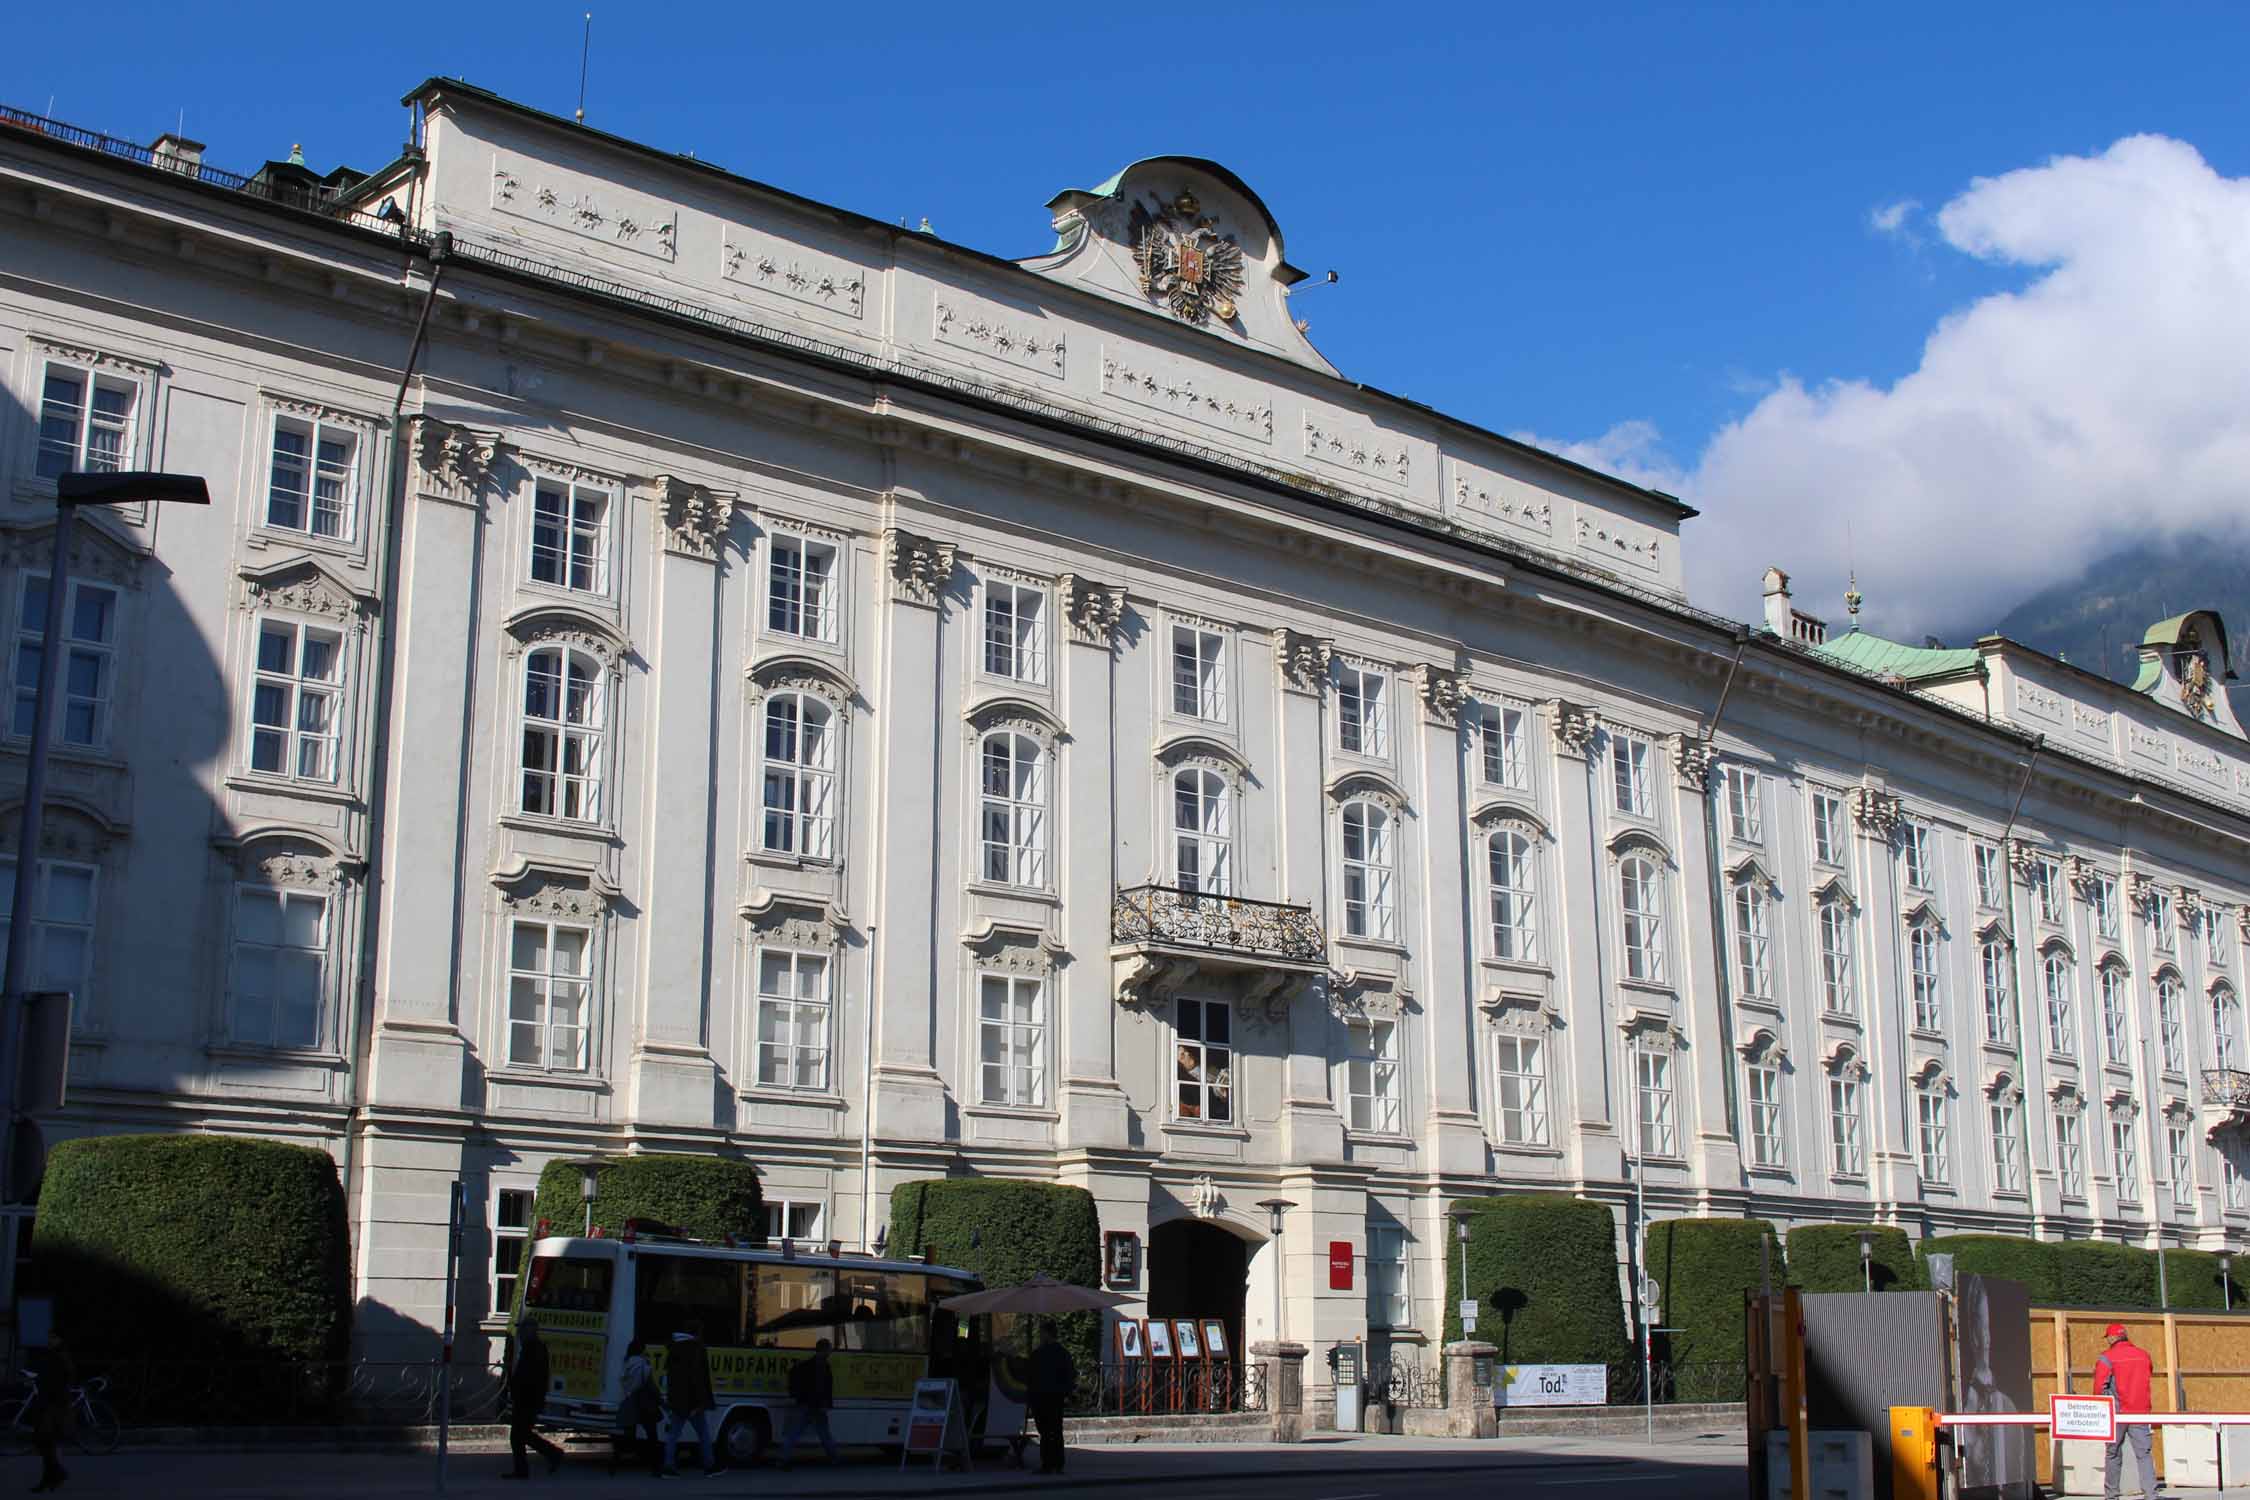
(936, 1423)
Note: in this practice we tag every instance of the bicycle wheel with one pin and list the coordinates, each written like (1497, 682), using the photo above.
(96, 1430)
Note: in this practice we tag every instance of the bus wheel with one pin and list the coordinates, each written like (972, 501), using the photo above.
(745, 1436)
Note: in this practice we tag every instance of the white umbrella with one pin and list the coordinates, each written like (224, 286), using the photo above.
(1041, 1294)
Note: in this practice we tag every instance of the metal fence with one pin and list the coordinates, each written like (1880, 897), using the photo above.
(1146, 1387)
(1706, 1380)
(154, 1393)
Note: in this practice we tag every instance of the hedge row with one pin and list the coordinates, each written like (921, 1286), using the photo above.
(2088, 1273)
(1702, 1267)
(1543, 1269)
(1825, 1258)
(1007, 1232)
(703, 1197)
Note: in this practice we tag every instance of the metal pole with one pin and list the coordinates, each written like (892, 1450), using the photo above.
(22, 910)
(445, 1364)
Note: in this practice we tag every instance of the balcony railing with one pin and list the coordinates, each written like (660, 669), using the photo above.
(1229, 926)
(2227, 1086)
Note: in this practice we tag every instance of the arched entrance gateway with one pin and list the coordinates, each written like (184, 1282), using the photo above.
(1197, 1269)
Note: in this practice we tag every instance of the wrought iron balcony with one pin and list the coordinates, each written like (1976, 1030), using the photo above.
(1230, 930)
(2228, 1087)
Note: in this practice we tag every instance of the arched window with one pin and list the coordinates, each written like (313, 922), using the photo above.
(2169, 1016)
(1928, 977)
(1369, 908)
(1847, 1155)
(1999, 1016)
(1202, 842)
(562, 735)
(2054, 986)
(800, 788)
(1013, 811)
(1640, 893)
(1836, 957)
(1515, 912)
(2226, 1027)
(2115, 1000)
(1753, 939)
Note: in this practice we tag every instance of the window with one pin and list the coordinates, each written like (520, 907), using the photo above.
(1629, 776)
(293, 701)
(1921, 856)
(1929, 991)
(2126, 1160)
(562, 735)
(1836, 957)
(1201, 842)
(280, 967)
(85, 422)
(1389, 1304)
(2215, 948)
(313, 481)
(2160, 919)
(1014, 810)
(801, 588)
(2115, 1000)
(1371, 1077)
(550, 995)
(1652, 1072)
(1203, 1062)
(1847, 1157)
(1990, 887)
(2046, 889)
(62, 930)
(89, 660)
(2233, 1192)
(2007, 1147)
(800, 777)
(1015, 632)
(1640, 896)
(1753, 940)
(1828, 828)
(2105, 907)
(1931, 1134)
(1500, 743)
(792, 1020)
(1199, 683)
(1011, 1041)
(1523, 1091)
(1369, 910)
(511, 1235)
(1767, 1148)
(569, 537)
(1999, 1015)
(2054, 986)
(2226, 1028)
(1515, 911)
(2169, 1018)
(2181, 1166)
(1363, 711)
(793, 1219)
(1746, 797)
(2070, 1156)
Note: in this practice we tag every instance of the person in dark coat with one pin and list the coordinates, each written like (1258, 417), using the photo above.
(50, 1408)
(639, 1409)
(812, 1386)
(1053, 1378)
(528, 1380)
(687, 1395)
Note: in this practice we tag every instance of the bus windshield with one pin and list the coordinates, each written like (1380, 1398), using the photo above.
(569, 1283)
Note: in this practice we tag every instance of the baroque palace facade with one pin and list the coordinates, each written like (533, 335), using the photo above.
(756, 679)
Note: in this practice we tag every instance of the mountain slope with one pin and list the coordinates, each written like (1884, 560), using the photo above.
(2096, 619)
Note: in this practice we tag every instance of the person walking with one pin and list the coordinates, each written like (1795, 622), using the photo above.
(638, 1409)
(812, 1385)
(50, 1408)
(687, 1395)
(527, 1392)
(1053, 1378)
(2122, 1372)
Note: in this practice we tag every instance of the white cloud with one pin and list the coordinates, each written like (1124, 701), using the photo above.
(2104, 400)
(1891, 218)
(1633, 451)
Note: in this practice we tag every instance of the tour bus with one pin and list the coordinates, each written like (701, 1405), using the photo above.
(759, 1312)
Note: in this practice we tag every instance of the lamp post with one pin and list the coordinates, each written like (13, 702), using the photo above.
(1460, 1217)
(1275, 1208)
(589, 1185)
(2226, 1278)
(125, 487)
(1867, 1259)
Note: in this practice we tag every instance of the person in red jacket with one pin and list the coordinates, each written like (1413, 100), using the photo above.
(2122, 1372)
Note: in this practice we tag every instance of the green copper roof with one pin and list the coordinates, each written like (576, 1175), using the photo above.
(1871, 653)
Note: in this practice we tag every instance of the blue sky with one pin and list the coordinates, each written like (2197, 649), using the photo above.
(1550, 221)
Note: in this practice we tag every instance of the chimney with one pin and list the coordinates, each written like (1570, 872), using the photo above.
(1777, 602)
(179, 154)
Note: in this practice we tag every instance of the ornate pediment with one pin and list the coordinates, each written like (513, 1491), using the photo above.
(1012, 713)
(557, 624)
(791, 673)
(538, 887)
(792, 921)
(307, 586)
(1013, 948)
(288, 857)
(1368, 786)
(97, 552)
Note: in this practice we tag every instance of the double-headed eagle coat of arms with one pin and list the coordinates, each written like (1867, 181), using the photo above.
(1186, 265)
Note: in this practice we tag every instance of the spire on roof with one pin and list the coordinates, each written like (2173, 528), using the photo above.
(1853, 599)
(296, 153)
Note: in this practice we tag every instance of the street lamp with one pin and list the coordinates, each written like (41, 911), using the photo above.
(589, 1185)
(2226, 1278)
(1867, 1258)
(1275, 1208)
(1460, 1217)
(71, 491)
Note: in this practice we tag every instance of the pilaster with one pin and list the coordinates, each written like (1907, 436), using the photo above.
(1584, 954)
(1312, 1130)
(1702, 1001)
(1454, 1137)
(1095, 1112)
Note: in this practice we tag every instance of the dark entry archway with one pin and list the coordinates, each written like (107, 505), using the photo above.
(1198, 1270)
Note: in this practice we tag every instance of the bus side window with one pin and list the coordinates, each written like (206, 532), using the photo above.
(677, 1292)
(796, 1306)
(944, 1330)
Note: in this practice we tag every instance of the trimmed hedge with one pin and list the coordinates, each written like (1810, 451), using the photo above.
(2090, 1273)
(1007, 1232)
(1543, 1269)
(2031, 1262)
(2193, 1279)
(1702, 1267)
(703, 1197)
(204, 1247)
(1825, 1258)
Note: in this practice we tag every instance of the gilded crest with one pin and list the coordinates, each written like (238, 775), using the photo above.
(2195, 686)
(1186, 265)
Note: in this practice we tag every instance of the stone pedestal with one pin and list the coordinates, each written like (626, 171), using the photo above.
(1283, 1367)
(1469, 1373)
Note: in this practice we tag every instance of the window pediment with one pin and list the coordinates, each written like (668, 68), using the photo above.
(2056, 947)
(2002, 1088)
(1843, 1061)
(792, 673)
(1835, 890)
(1924, 914)
(1996, 931)
(1929, 1073)
(1494, 816)
(307, 586)
(1016, 947)
(2113, 962)
(1631, 841)
(1764, 1044)
(97, 552)
(1521, 1012)
(72, 828)
(1642, 1023)
(281, 855)
(791, 920)
(1019, 714)
(550, 888)
(1181, 751)
(1369, 786)
(554, 623)
(1750, 870)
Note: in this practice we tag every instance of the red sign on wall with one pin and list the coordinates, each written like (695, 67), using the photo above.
(1339, 1265)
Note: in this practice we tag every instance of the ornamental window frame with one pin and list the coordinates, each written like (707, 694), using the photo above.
(802, 1056)
(1197, 810)
(1522, 1086)
(800, 775)
(295, 688)
(2179, 1159)
(1013, 641)
(1989, 869)
(1746, 796)
(2160, 918)
(1368, 883)
(1643, 926)
(1847, 1121)
(590, 731)
(1656, 1099)
(1503, 743)
(2102, 895)
(1752, 909)
(2070, 1149)
(318, 425)
(1632, 776)
(2227, 1047)
(802, 584)
(1996, 984)
(1835, 939)
(2124, 1158)
(1019, 808)
(49, 454)
(1365, 695)
(2114, 987)
(2004, 1127)
(1926, 973)
(1512, 890)
(79, 925)
(1765, 1092)
(1933, 1127)
(2047, 890)
(2058, 985)
(1831, 827)
(2171, 1021)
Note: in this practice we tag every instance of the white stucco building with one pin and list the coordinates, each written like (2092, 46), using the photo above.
(783, 684)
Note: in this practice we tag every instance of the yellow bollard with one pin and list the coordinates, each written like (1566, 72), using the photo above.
(1914, 1467)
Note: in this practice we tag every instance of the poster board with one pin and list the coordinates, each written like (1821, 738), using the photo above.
(1159, 1339)
(1553, 1385)
(2091, 1419)
(1215, 1337)
(1190, 1346)
(1129, 1344)
(936, 1424)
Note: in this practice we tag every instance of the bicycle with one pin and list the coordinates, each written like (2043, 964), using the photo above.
(91, 1425)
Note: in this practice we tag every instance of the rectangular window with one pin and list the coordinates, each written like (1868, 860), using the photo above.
(1363, 711)
(1767, 1147)
(2046, 890)
(801, 588)
(1836, 957)
(1371, 1077)
(2105, 907)
(1015, 632)
(1994, 976)
(1388, 1302)
(1746, 805)
(84, 682)
(1931, 1136)
(1515, 896)
(1828, 828)
(1629, 776)
(792, 1020)
(511, 1236)
(1847, 1157)
(85, 422)
(793, 1219)
(2125, 1159)
(1929, 995)
(2169, 1020)
(2233, 1191)
(2182, 1167)
(2160, 919)
(1989, 892)
(1523, 1091)
(1199, 684)
(1921, 856)
(1652, 1071)
(62, 929)
(293, 702)
(2216, 948)
(569, 537)
(1369, 864)
(2007, 1148)
(2115, 1001)
(1011, 1041)
(313, 481)
(1500, 745)
(2070, 1156)
(550, 995)
(280, 967)
(1203, 1062)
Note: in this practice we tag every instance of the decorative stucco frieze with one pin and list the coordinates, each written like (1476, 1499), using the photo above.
(1481, 497)
(288, 860)
(1303, 661)
(98, 359)
(96, 552)
(1095, 610)
(783, 270)
(544, 890)
(696, 517)
(304, 588)
(1357, 450)
(921, 569)
(611, 216)
(1620, 542)
(1179, 391)
(1573, 727)
(980, 331)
